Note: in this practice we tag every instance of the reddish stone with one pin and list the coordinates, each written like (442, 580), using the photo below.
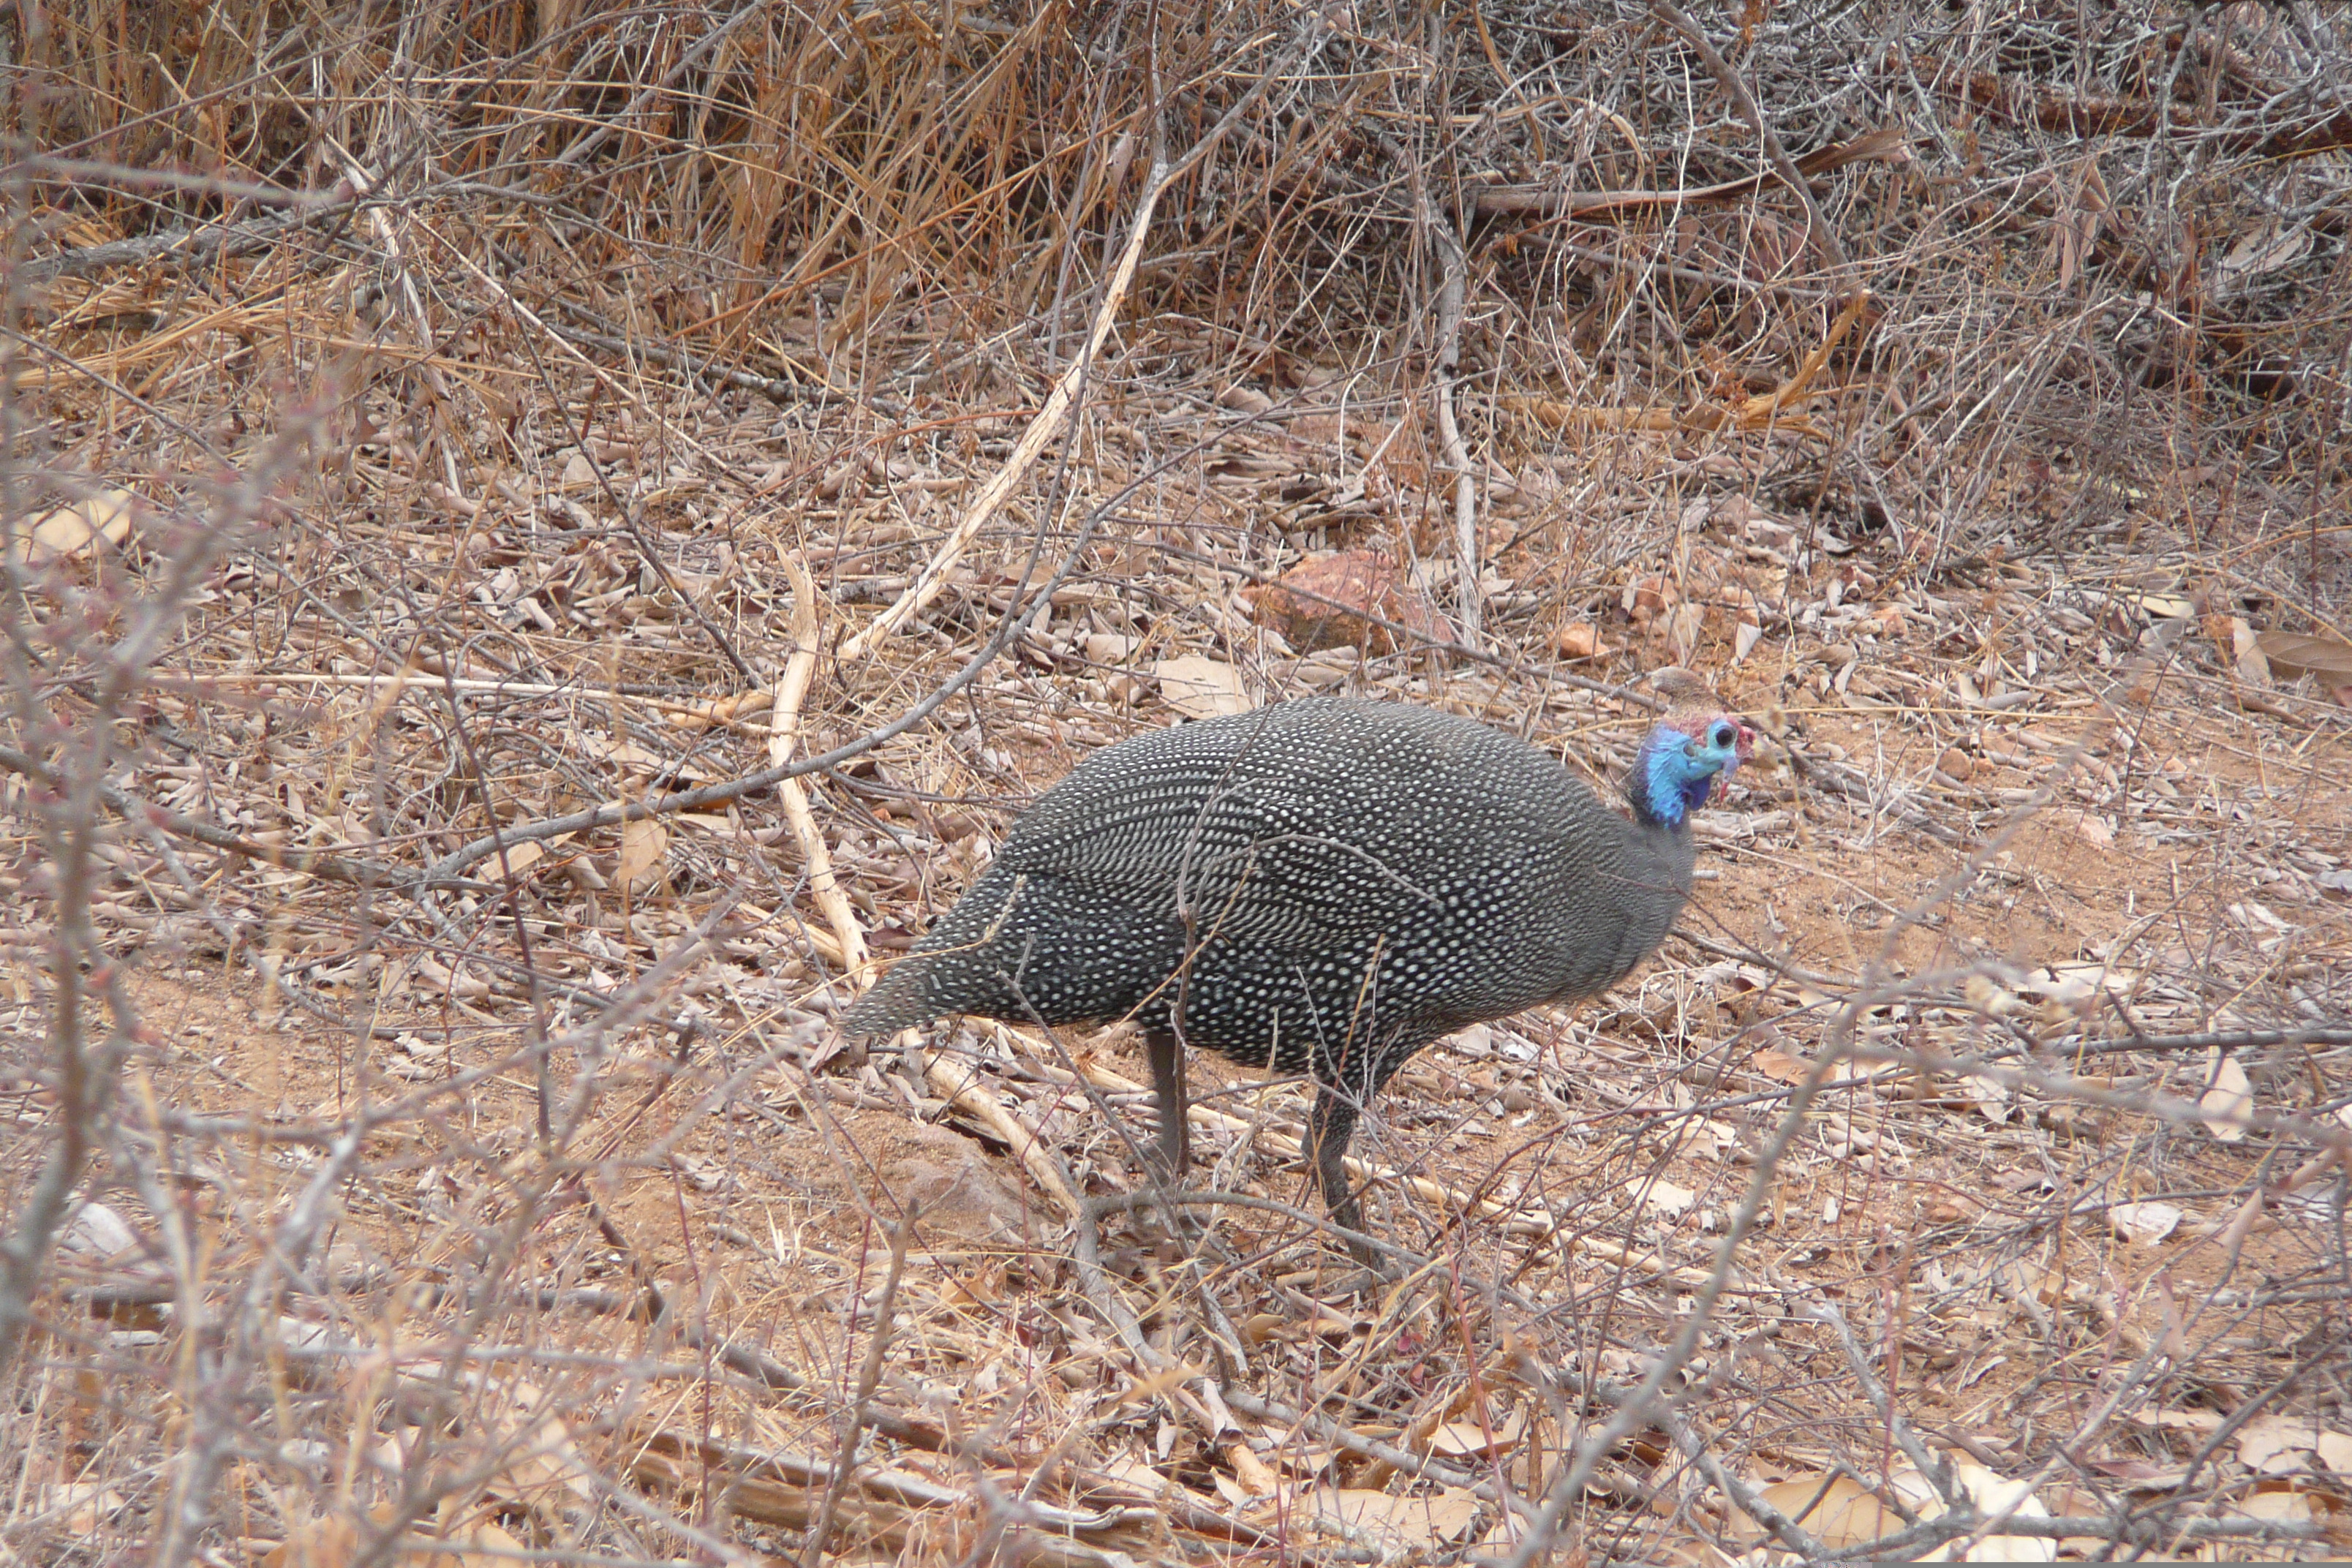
(1327, 603)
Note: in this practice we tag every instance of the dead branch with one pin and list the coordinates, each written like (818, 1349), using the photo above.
(1889, 143)
(791, 691)
(1817, 226)
(2093, 116)
(1453, 268)
(869, 1378)
(1067, 390)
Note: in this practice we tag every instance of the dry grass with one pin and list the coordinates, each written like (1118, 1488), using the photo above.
(430, 873)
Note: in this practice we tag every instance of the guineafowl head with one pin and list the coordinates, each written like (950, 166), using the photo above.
(1680, 761)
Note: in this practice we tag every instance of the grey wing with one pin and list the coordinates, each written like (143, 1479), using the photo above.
(1266, 842)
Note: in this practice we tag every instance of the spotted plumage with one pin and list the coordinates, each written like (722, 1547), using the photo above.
(1323, 887)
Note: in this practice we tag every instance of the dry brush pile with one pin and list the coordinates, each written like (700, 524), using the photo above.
(543, 541)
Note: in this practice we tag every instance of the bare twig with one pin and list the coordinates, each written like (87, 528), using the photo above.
(1817, 226)
(791, 691)
(869, 1378)
(1070, 387)
(1469, 598)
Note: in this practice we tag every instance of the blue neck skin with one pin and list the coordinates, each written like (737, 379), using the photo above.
(1668, 794)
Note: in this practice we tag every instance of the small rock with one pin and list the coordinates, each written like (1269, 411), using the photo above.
(1646, 599)
(1581, 640)
(1331, 603)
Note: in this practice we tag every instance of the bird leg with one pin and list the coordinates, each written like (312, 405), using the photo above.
(1167, 1053)
(1327, 1132)
(1168, 1092)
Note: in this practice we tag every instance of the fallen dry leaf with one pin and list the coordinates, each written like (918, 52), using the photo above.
(1395, 1525)
(1837, 1511)
(1469, 1439)
(521, 857)
(2201, 1422)
(2276, 1445)
(1991, 1493)
(1683, 627)
(2265, 249)
(1989, 1095)
(2240, 649)
(2293, 654)
(621, 752)
(328, 1543)
(2144, 1224)
(1133, 1470)
(2142, 1475)
(1200, 688)
(2226, 1107)
(644, 843)
(1109, 648)
(99, 1233)
(2164, 606)
(456, 1545)
(2280, 1507)
(103, 518)
(1661, 1197)
(77, 1507)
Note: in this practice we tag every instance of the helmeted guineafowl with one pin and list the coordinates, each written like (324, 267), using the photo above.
(1322, 886)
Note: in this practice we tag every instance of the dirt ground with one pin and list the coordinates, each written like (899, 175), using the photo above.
(542, 542)
(2175, 874)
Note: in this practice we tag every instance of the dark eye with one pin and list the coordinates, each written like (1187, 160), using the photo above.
(1722, 736)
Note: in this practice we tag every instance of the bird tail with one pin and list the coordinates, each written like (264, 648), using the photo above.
(900, 1000)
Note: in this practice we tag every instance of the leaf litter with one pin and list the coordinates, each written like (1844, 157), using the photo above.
(2015, 855)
